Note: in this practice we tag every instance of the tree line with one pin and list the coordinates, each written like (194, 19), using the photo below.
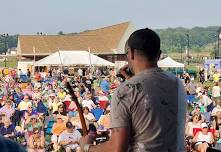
(7, 42)
(200, 38)
(172, 39)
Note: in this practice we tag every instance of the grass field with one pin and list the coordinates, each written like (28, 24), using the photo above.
(11, 62)
(195, 64)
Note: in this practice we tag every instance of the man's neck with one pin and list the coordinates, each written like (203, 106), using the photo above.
(141, 67)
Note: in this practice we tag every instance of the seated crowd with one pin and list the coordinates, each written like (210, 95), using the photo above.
(42, 116)
(203, 120)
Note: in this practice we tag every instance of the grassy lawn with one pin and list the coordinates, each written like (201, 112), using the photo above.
(10, 64)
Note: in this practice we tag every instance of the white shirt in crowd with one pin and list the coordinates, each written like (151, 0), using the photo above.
(80, 72)
(89, 116)
(215, 110)
(88, 103)
(207, 138)
(190, 126)
(216, 91)
(205, 100)
(103, 98)
(66, 136)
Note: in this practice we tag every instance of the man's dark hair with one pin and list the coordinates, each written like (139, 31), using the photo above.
(69, 125)
(147, 42)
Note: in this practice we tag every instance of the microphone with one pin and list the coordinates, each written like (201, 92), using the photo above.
(92, 130)
(127, 71)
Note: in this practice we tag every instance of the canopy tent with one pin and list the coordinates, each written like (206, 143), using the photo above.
(169, 63)
(67, 58)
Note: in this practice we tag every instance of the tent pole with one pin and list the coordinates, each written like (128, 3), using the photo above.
(33, 70)
(89, 50)
(60, 60)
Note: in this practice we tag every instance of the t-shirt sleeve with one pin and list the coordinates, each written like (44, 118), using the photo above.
(120, 114)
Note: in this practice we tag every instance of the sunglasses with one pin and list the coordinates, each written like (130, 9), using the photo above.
(36, 132)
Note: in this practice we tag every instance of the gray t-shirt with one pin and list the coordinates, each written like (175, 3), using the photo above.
(66, 136)
(152, 104)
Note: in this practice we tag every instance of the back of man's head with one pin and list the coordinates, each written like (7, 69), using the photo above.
(147, 42)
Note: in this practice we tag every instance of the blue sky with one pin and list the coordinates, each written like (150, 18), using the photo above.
(51, 16)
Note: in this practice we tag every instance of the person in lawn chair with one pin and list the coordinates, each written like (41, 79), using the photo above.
(7, 130)
(57, 129)
(36, 142)
(203, 139)
(69, 139)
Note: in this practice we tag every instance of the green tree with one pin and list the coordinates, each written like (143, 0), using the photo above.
(60, 33)
(172, 39)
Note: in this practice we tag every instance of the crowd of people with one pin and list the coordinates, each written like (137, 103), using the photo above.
(41, 115)
(203, 120)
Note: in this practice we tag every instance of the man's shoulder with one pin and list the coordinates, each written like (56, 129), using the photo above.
(153, 78)
(123, 87)
(138, 79)
(155, 73)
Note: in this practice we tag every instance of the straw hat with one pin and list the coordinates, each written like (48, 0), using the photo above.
(34, 117)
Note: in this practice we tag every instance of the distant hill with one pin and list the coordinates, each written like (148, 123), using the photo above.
(172, 39)
(8, 42)
(200, 38)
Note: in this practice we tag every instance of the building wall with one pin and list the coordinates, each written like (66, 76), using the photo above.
(18, 47)
(13, 52)
(128, 32)
(113, 57)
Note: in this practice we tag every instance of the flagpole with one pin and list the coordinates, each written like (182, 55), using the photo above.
(33, 70)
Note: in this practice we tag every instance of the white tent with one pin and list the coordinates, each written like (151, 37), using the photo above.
(169, 63)
(67, 58)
